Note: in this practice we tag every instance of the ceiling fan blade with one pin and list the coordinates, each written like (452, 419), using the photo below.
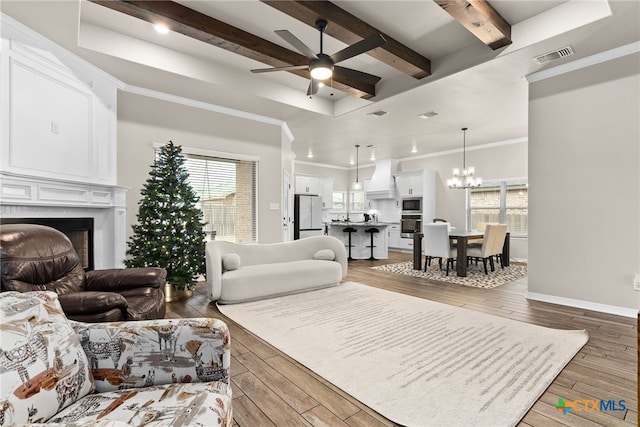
(295, 42)
(362, 46)
(313, 87)
(356, 75)
(287, 68)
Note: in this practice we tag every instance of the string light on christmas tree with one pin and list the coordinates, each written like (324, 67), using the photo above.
(169, 233)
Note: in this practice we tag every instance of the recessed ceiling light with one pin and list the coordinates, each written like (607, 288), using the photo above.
(377, 113)
(310, 155)
(428, 115)
(414, 150)
(161, 28)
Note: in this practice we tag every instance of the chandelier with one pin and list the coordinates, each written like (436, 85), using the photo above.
(356, 185)
(466, 178)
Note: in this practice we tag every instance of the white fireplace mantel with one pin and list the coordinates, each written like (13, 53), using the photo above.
(34, 197)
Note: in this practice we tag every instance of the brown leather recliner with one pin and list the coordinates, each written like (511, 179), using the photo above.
(38, 258)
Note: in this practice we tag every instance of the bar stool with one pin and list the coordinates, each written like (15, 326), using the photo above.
(350, 230)
(372, 230)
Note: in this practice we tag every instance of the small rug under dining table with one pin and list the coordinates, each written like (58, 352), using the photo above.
(475, 273)
(415, 361)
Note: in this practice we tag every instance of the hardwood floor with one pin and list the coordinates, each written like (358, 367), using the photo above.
(271, 389)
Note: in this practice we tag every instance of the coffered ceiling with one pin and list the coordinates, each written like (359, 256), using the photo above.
(432, 61)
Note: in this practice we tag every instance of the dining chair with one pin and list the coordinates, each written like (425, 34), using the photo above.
(437, 245)
(492, 244)
(454, 243)
(477, 243)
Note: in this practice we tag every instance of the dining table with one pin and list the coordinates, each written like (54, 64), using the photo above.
(462, 239)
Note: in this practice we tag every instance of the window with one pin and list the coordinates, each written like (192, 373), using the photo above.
(357, 201)
(227, 190)
(501, 201)
(339, 201)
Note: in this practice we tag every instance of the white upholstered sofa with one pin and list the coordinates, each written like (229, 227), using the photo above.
(245, 272)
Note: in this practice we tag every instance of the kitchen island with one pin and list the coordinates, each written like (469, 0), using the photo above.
(360, 240)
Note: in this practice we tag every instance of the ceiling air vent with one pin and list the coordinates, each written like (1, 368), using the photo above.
(552, 56)
(428, 115)
(377, 113)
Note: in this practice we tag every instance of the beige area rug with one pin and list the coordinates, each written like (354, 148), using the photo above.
(415, 361)
(475, 273)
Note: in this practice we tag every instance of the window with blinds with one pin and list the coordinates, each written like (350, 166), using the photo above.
(227, 190)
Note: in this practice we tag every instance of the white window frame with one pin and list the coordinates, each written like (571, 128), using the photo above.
(345, 202)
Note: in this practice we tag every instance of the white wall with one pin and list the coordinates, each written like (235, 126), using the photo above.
(584, 184)
(143, 121)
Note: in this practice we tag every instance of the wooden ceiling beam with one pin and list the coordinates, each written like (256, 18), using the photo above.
(349, 29)
(191, 23)
(479, 17)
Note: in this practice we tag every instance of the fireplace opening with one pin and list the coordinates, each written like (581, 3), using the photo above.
(78, 230)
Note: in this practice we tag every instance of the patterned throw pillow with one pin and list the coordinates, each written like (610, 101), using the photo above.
(144, 353)
(43, 367)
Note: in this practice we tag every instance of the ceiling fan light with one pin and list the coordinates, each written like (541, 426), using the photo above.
(321, 72)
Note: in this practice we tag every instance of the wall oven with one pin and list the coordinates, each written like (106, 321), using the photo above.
(410, 224)
(412, 205)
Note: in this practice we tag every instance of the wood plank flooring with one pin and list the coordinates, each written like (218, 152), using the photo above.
(272, 389)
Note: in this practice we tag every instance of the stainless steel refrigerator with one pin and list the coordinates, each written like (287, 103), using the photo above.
(307, 219)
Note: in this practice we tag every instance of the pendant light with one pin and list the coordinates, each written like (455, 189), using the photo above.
(466, 179)
(356, 185)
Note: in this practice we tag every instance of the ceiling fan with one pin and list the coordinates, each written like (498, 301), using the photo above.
(321, 65)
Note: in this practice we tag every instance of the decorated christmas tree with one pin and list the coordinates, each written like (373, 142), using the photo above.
(169, 232)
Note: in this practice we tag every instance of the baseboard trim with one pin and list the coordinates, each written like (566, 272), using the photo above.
(587, 305)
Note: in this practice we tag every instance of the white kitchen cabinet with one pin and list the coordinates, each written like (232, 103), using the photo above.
(308, 185)
(323, 187)
(394, 236)
(412, 183)
(420, 183)
(327, 193)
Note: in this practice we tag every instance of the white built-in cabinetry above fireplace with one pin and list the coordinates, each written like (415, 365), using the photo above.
(58, 139)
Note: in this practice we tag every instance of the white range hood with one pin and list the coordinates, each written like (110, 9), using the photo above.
(383, 181)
